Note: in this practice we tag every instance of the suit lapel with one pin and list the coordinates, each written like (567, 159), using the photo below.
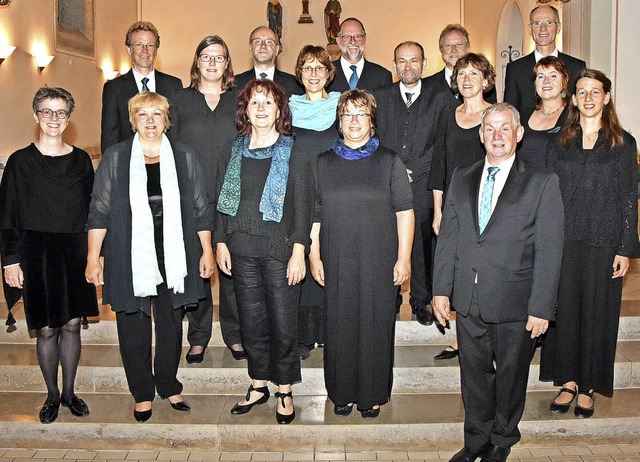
(130, 83)
(474, 187)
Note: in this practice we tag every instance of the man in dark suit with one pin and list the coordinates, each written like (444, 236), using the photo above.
(544, 26)
(453, 43)
(263, 46)
(142, 42)
(408, 113)
(498, 262)
(352, 70)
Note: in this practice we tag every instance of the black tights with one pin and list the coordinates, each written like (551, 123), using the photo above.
(59, 345)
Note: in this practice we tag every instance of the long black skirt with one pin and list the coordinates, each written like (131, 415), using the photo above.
(581, 345)
(55, 289)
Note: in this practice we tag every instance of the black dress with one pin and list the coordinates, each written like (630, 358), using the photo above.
(533, 146)
(44, 202)
(599, 192)
(455, 146)
(311, 313)
(356, 206)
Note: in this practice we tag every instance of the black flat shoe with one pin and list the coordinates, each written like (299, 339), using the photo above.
(495, 454)
(239, 355)
(142, 416)
(370, 413)
(195, 358)
(49, 411)
(181, 406)
(424, 316)
(564, 407)
(77, 406)
(284, 419)
(343, 410)
(244, 408)
(447, 353)
(585, 412)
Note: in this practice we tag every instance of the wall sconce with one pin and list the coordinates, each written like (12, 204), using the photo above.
(5, 51)
(42, 61)
(110, 75)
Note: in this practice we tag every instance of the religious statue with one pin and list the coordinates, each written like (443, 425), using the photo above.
(332, 19)
(274, 15)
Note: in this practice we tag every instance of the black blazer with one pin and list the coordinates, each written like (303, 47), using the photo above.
(516, 259)
(287, 81)
(116, 93)
(417, 156)
(373, 76)
(438, 81)
(519, 88)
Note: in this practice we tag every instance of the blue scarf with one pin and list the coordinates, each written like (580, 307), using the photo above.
(314, 115)
(363, 151)
(275, 188)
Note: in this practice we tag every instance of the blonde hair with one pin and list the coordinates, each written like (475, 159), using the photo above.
(148, 99)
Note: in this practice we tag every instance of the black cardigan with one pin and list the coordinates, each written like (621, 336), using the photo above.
(599, 191)
(297, 215)
(110, 209)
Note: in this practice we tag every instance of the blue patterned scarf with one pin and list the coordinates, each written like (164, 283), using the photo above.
(275, 188)
(363, 151)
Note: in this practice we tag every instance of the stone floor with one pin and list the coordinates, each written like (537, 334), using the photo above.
(603, 453)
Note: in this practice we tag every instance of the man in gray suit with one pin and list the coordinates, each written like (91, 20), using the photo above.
(498, 263)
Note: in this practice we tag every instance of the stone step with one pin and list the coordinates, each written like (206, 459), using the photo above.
(424, 422)
(415, 371)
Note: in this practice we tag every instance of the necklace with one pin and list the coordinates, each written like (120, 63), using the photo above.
(150, 157)
(552, 112)
(50, 154)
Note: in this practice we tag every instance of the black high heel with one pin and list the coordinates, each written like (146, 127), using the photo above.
(563, 408)
(585, 412)
(244, 408)
(282, 418)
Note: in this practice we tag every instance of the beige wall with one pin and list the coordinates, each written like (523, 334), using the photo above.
(30, 24)
(183, 28)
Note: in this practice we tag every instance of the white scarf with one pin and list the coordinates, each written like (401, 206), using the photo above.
(144, 261)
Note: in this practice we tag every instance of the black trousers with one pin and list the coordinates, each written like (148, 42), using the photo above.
(422, 258)
(134, 335)
(268, 309)
(229, 318)
(493, 396)
(201, 319)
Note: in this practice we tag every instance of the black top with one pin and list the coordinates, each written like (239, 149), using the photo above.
(455, 147)
(206, 131)
(287, 82)
(533, 146)
(43, 193)
(438, 81)
(295, 226)
(599, 191)
(313, 143)
(154, 190)
(111, 210)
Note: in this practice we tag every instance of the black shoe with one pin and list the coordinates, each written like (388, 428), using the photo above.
(495, 454)
(304, 351)
(142, 416)
(447, 353)
(195, 358)
(424, 316)
(343, 410)
(77, 406)
(284, 419)
(370, 413)
(49, 411)
(467, 454)
(562, 408)
(239, 355)
(585, 412)
(244, 408)
(181, 406)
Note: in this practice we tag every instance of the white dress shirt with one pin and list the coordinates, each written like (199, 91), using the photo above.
(151, 84)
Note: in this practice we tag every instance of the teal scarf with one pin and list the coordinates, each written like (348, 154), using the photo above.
(314, 115)
(275, 188)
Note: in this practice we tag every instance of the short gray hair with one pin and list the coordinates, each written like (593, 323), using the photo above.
(499, 107)
(53, 93)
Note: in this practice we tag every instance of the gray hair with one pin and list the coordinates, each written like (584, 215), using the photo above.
(499, 107)
(53, 93)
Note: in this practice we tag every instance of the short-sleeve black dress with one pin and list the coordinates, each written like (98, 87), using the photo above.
(356, 206)
(44, 202)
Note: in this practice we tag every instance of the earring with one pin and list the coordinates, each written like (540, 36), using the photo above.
(563, 94)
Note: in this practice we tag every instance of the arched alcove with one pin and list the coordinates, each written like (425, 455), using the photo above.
(509, 42)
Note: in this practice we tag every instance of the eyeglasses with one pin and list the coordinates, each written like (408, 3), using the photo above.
(308, 70)
(539, 24)
(267, 42)
(144, 46)
(216, 58)
(359, 117)
(48, 113)
(358, 38)
(451, 46)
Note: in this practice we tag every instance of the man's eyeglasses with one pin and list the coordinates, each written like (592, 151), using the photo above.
(358, 38)
(143, 46)
(539, 24)
(267, 42)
